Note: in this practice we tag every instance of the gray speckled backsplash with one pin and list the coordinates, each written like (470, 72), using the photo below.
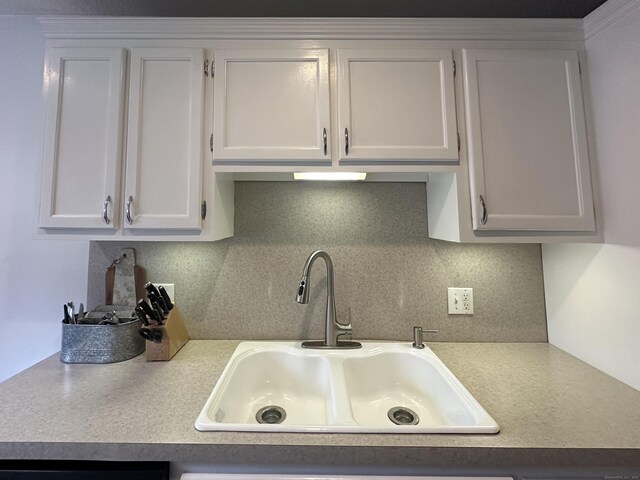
(387, 270)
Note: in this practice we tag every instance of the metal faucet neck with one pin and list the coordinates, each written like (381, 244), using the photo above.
(306, 271)
(332, 329)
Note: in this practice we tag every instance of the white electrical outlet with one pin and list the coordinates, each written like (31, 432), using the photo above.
(170, 288)
(460, 301)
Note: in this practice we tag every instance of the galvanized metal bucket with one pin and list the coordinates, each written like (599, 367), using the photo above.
(92, 343)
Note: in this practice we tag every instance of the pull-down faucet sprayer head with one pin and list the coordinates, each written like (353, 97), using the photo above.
(303, 291)
(302, 296)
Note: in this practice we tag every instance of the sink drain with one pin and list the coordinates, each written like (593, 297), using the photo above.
(271, 414)
(403, 416)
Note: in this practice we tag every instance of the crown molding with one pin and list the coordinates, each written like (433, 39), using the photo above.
(607, 14)
(77, 27)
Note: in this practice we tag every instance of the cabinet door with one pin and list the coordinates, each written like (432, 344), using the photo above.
(396, 106)
(528, 158)
(83, 135)
(164, 144)
(271, 107)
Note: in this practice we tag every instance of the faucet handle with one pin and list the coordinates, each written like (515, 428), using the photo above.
(344, 330)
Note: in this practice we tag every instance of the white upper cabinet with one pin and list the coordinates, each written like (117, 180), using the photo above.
(84, 90)
(164, 142)
(159, 190)
(396, 106)
(528, 156)
(271, 106)
(140, 141)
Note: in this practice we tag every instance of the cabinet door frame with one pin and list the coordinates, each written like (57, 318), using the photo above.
(191, 220)
(106, 216)
(482, 216)
(447, 153)
(317, 154)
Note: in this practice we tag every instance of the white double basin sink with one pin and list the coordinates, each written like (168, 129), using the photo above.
(379, 388)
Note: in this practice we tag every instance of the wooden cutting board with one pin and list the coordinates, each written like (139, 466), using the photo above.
(124, 281)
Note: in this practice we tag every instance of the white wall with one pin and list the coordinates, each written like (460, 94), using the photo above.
(593, 291)
(36, 276)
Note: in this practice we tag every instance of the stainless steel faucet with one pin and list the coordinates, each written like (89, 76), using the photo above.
(332, 329)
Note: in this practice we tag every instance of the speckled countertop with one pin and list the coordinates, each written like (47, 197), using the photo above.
(552, 409)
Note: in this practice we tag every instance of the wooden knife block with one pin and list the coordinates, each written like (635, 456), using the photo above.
(174, 336)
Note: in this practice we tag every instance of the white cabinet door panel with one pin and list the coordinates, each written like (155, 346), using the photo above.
(82, 147)
(164, 146)
(528, 153)
(396, 106)
(271, 106)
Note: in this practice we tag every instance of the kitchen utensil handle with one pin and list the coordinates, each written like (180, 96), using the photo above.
(324, 140)
(151, 288)
(484, 211)
(165, 296)
(147, 309)
(105, 210)
(159, 313)
(141, 315)
(346, 141)
(128, 210)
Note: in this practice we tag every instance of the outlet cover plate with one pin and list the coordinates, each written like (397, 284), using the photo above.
(460, 301)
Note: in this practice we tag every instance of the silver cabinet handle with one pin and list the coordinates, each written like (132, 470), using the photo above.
(346, 141)
(105, 210)
(324, 140)
(128, 210)
(484, 211)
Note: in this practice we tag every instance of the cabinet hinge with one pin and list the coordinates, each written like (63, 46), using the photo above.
(458, 134)
(211, 143)
(213, 69)
(206, 67)
(454, 68)
(203, 209)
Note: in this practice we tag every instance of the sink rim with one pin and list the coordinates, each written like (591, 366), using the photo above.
(486, 424)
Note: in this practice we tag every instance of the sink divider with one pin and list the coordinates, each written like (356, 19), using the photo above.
(340, 413)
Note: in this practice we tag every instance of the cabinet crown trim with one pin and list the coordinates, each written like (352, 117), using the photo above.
(312, 28)
(606, 15)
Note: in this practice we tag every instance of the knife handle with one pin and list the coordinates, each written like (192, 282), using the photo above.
(159, 313)
(141, 315)
(153, 335)
(145, 333)
(153, 298)
(157, 335)
(165, 297)
(147, 309)
(151, 288)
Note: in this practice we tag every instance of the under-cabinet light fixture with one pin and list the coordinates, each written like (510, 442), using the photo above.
(340, 176)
